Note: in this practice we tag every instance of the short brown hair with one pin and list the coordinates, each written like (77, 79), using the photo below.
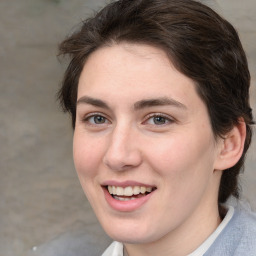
(201, 44)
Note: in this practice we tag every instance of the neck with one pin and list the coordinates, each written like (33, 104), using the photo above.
(179, 241)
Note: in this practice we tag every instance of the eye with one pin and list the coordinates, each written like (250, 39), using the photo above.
(158, 119)
(96, 119)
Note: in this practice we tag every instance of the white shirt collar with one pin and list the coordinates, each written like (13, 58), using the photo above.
(210, 240)
(115, 249)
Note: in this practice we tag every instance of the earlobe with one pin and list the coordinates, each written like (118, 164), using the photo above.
(232, 147)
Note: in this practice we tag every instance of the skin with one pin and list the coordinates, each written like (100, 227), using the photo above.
(169, 145)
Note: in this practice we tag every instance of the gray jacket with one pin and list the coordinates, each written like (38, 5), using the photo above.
(238, 238)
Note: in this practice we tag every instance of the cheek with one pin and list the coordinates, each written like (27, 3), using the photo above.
(181, 155)
(185, 166)
(87, 155)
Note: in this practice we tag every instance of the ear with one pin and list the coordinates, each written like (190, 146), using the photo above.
(231, 147)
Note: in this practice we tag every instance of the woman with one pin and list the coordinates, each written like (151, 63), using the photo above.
(158, 92)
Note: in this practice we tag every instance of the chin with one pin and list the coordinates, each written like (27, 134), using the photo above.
(130, 239)
(129, 235)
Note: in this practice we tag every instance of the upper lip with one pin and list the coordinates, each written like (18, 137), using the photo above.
(126, 183)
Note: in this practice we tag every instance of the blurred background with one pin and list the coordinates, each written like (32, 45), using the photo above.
(43, 210)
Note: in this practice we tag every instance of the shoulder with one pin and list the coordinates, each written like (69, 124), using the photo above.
(115, 249)
(244, 223)
(238, 237)
(247, 218)
(242, 230)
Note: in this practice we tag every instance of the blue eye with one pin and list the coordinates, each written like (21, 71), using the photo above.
(96, 119)
(99, 119)
(159, 120)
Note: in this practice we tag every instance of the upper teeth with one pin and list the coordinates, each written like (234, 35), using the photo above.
(128, 191)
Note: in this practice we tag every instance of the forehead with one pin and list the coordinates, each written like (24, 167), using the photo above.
(132, 57)
(134, 71)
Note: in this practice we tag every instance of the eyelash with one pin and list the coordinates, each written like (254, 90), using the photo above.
(87, 118)
(167, 119)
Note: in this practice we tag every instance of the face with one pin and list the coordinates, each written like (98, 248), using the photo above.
(143, 146)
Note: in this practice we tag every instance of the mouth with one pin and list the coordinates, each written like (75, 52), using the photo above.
(129, 193)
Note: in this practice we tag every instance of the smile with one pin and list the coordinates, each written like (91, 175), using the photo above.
(129, 193)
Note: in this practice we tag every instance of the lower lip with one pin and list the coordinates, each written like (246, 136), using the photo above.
(126, 206)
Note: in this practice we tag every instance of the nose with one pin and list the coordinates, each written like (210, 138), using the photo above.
(123, 150)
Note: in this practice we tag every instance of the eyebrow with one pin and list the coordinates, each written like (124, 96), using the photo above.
(163, 101)
(92, 101)
(158, 102)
